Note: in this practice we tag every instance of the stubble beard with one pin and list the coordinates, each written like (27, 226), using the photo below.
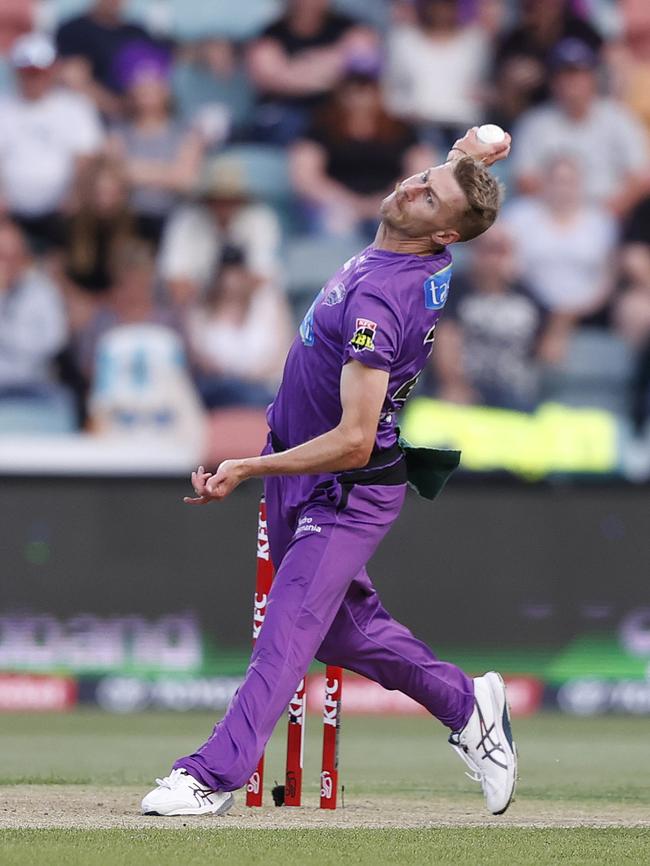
(392, 216)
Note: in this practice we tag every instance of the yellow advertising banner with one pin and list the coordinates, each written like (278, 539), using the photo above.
(554, 439)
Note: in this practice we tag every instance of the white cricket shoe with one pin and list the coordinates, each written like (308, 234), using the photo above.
(181, 794)
(486, 744)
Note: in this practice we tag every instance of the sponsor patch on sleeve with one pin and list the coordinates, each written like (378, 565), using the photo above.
(363, 339)
(436, 289)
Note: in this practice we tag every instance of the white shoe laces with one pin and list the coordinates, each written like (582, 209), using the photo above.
(487, 742)
(175, 779)
(477, 774)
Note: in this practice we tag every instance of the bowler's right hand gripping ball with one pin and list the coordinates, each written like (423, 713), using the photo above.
(490, 133)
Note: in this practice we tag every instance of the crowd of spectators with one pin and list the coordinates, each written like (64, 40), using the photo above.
(152, 189)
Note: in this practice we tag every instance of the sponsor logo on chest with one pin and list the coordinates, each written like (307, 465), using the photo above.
(436, 289)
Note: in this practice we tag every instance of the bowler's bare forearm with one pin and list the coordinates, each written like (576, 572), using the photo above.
(335, 451)
(348, 445)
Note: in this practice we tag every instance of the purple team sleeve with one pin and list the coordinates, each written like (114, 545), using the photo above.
(372, 333)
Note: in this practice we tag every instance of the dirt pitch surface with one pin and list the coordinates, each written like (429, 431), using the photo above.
(89, 808)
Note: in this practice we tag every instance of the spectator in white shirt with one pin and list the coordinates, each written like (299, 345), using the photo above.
(601, 134)
(47, 135)
(33, 327)
(240, 337)
(565, 246)
(227, 213)
(564, 242)
(439, 50)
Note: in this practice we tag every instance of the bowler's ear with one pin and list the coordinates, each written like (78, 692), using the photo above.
(444, 237)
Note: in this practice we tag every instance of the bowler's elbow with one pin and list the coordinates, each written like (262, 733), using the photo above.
(359, 447)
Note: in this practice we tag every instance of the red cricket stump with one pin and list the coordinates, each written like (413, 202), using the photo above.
(295, 747)
(263, 581)
(329, 777)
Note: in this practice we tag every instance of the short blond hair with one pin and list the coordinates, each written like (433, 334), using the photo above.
(484, 195)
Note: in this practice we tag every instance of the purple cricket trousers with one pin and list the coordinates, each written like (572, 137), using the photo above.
(323, 604)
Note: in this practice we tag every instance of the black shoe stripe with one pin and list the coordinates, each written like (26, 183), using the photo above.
(507, 728)
(487, 737)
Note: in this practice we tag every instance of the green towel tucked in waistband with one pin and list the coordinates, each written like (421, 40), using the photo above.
(428, 469)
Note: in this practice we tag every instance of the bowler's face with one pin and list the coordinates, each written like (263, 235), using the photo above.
(425, 203)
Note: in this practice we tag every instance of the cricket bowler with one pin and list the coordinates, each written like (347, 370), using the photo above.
(335, 478)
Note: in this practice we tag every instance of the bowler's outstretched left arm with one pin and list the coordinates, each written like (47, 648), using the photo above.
(346, 446)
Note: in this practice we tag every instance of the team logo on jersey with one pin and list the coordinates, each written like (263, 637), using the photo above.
(363, 339)
(335, 295)
(436, 289)
(404, 391)
(431, 334)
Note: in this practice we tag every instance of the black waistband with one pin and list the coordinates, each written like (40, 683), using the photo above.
(386, 466)
(276, 444)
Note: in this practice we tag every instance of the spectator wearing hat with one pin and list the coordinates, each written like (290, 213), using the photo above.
(47, 136)
(225, 212)
(91, 45)
(597, 132)
(162, 157)
(352, 156)
(239, 336)
(438, 48)
(488, 342)
(297, 60)
(522, 53)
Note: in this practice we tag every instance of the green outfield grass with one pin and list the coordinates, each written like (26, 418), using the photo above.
(562, 757)
(586, 769)
(444, 847)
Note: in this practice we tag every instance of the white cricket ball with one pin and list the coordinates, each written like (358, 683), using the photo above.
(490, 133)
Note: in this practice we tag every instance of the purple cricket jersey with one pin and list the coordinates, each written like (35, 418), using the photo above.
(381, 309)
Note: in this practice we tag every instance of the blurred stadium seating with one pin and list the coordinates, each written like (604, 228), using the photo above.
(207, 43)
(595, 372)
(43, 415)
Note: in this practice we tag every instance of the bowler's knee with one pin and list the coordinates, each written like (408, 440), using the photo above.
(337, 649)
(331, 651)
(329, 658)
